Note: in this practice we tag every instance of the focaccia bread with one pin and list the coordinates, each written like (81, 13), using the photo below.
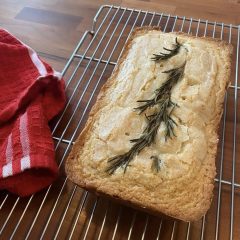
(174, 173)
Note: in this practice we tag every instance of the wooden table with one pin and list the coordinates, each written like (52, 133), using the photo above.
(53, 29)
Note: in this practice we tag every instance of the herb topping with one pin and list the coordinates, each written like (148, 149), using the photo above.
(164, 108)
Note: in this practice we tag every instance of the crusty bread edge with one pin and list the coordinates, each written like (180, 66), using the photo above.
(72, 160)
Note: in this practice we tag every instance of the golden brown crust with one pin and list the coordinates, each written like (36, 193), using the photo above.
(73, 166)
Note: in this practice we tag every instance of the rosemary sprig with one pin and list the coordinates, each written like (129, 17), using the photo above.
(162, 115)
(169, 53)
(160, 93)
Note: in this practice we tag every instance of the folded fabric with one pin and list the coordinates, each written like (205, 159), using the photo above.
(31, 94)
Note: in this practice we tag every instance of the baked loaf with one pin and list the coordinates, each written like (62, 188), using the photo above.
(183, 185)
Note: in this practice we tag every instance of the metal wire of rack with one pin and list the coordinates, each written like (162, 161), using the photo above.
(65, 211)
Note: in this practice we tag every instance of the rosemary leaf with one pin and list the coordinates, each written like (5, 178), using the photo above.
(164, 91)
(155, 163)
(170, 52)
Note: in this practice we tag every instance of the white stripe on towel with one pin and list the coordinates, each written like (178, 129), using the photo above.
(36, 61)
(7, 169)
(25, 161)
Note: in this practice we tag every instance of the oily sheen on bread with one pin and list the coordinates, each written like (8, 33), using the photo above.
(183, 185)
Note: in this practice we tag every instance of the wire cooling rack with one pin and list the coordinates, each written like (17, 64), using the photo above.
(65, 211)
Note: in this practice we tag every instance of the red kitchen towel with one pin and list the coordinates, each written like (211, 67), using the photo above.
(31, 93)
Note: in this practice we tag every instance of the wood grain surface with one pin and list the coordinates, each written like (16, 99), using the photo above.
(53, 29)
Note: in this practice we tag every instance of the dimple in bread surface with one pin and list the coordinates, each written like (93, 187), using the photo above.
(183, 187)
